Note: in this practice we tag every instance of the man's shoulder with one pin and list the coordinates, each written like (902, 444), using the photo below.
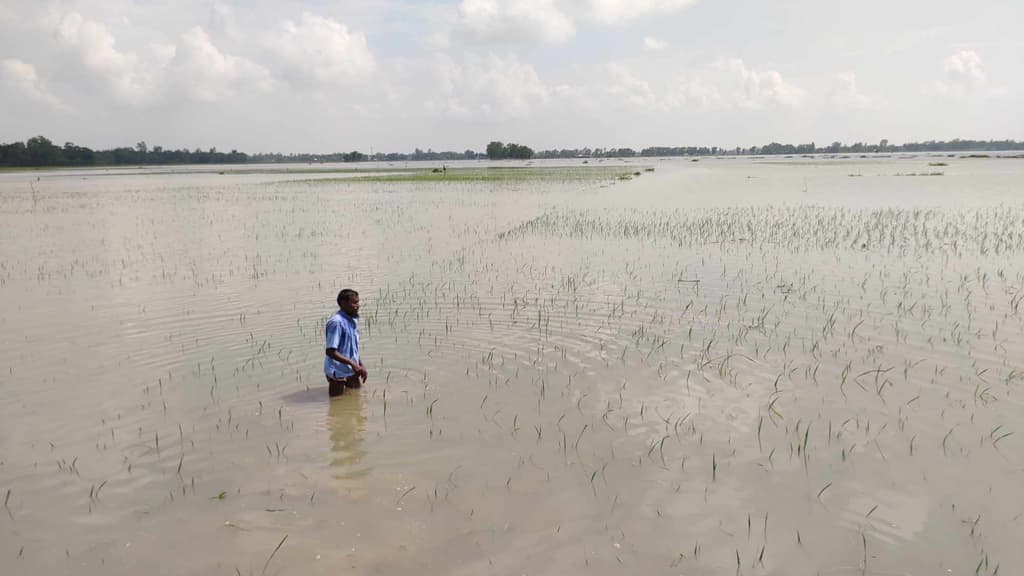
(340, 319)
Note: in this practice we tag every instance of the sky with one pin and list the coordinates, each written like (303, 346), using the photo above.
(394, 75)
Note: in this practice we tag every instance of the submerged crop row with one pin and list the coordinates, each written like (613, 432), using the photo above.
(982, 230)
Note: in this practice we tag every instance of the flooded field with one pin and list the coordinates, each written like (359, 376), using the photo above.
(731, 366)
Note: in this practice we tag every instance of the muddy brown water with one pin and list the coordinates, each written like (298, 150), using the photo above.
(755, 366)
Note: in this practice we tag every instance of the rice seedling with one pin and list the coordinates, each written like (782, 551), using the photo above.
(271, 557)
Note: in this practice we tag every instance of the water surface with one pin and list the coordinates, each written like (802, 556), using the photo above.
(763, 366)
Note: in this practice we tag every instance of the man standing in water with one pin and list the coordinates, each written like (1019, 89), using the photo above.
(342, 365)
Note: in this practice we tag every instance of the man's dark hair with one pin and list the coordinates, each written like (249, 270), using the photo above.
(346, 295)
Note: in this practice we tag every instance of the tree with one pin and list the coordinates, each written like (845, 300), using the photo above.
(42, 152)
(77, 155)
(498, 151)
(13, 154)
(495, 150)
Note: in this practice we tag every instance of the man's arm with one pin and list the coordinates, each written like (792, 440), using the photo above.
(333, 354)
(356, 366)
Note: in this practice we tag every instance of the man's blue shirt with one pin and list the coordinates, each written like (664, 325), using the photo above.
(343, 335)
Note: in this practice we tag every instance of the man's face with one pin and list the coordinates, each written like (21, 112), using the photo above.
(351, 306)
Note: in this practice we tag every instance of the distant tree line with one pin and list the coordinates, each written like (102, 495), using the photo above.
(588, 153)
(356, 156)
(775, 148)
(39, 151)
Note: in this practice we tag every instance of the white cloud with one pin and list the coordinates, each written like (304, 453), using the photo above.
(491, 87)
(724, 85)
(22, 77)
(438, 40)
(683, 90)
(616, 11)
(635, 91)
(163, 53)
(322, 50)
(964, 67)
(569, 91)
(844, 93)
(749, 88)
(698, 90)
(222, 19)
(195, 67)
(208, 75)
(512, 20)
(965, 75)
(131, 81)
(652, 44)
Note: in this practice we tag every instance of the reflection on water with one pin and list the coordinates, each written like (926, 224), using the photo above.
(346, 423)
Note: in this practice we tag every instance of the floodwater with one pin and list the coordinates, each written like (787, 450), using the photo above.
(731, 366)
